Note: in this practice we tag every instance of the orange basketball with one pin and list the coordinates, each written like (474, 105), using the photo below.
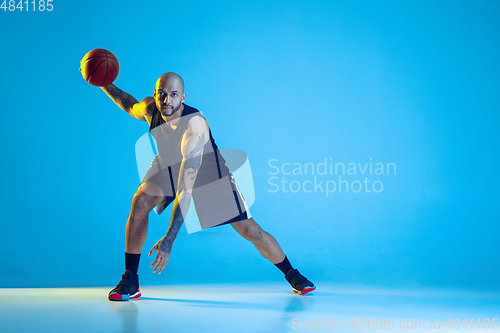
(99, 67)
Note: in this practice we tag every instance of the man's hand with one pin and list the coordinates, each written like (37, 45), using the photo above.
(162, 256)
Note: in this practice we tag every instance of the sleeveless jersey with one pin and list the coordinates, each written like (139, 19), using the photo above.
(213, 166)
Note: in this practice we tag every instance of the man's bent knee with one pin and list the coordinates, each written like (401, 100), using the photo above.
(249, 229)
(148, 195)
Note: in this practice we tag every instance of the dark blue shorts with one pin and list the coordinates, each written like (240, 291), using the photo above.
(218, 202)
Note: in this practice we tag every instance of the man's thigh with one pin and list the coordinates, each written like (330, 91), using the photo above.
(159, 182)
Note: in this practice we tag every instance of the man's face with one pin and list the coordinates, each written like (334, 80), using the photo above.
(169, 96)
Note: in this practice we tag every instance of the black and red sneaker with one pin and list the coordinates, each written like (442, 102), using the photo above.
(299, 283)
(126, 289)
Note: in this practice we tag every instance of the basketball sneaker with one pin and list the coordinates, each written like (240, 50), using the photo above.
(126, 289)
(299, 283)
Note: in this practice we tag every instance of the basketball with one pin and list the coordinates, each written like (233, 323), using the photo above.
(99, 67)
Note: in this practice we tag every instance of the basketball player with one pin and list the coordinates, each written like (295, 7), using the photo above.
(188, 165)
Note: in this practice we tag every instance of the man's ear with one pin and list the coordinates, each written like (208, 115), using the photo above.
(154, 94)
(183, 97)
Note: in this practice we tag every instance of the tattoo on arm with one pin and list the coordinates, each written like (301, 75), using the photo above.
(192, 163)
(122, 99)
(189, 170)
(181, 205)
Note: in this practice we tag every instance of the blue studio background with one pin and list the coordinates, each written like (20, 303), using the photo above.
(411, 85)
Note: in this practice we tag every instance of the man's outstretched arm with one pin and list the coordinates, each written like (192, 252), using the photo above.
(192, 151)
(129, 104)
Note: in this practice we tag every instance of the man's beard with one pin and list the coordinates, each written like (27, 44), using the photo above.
(174, 110)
